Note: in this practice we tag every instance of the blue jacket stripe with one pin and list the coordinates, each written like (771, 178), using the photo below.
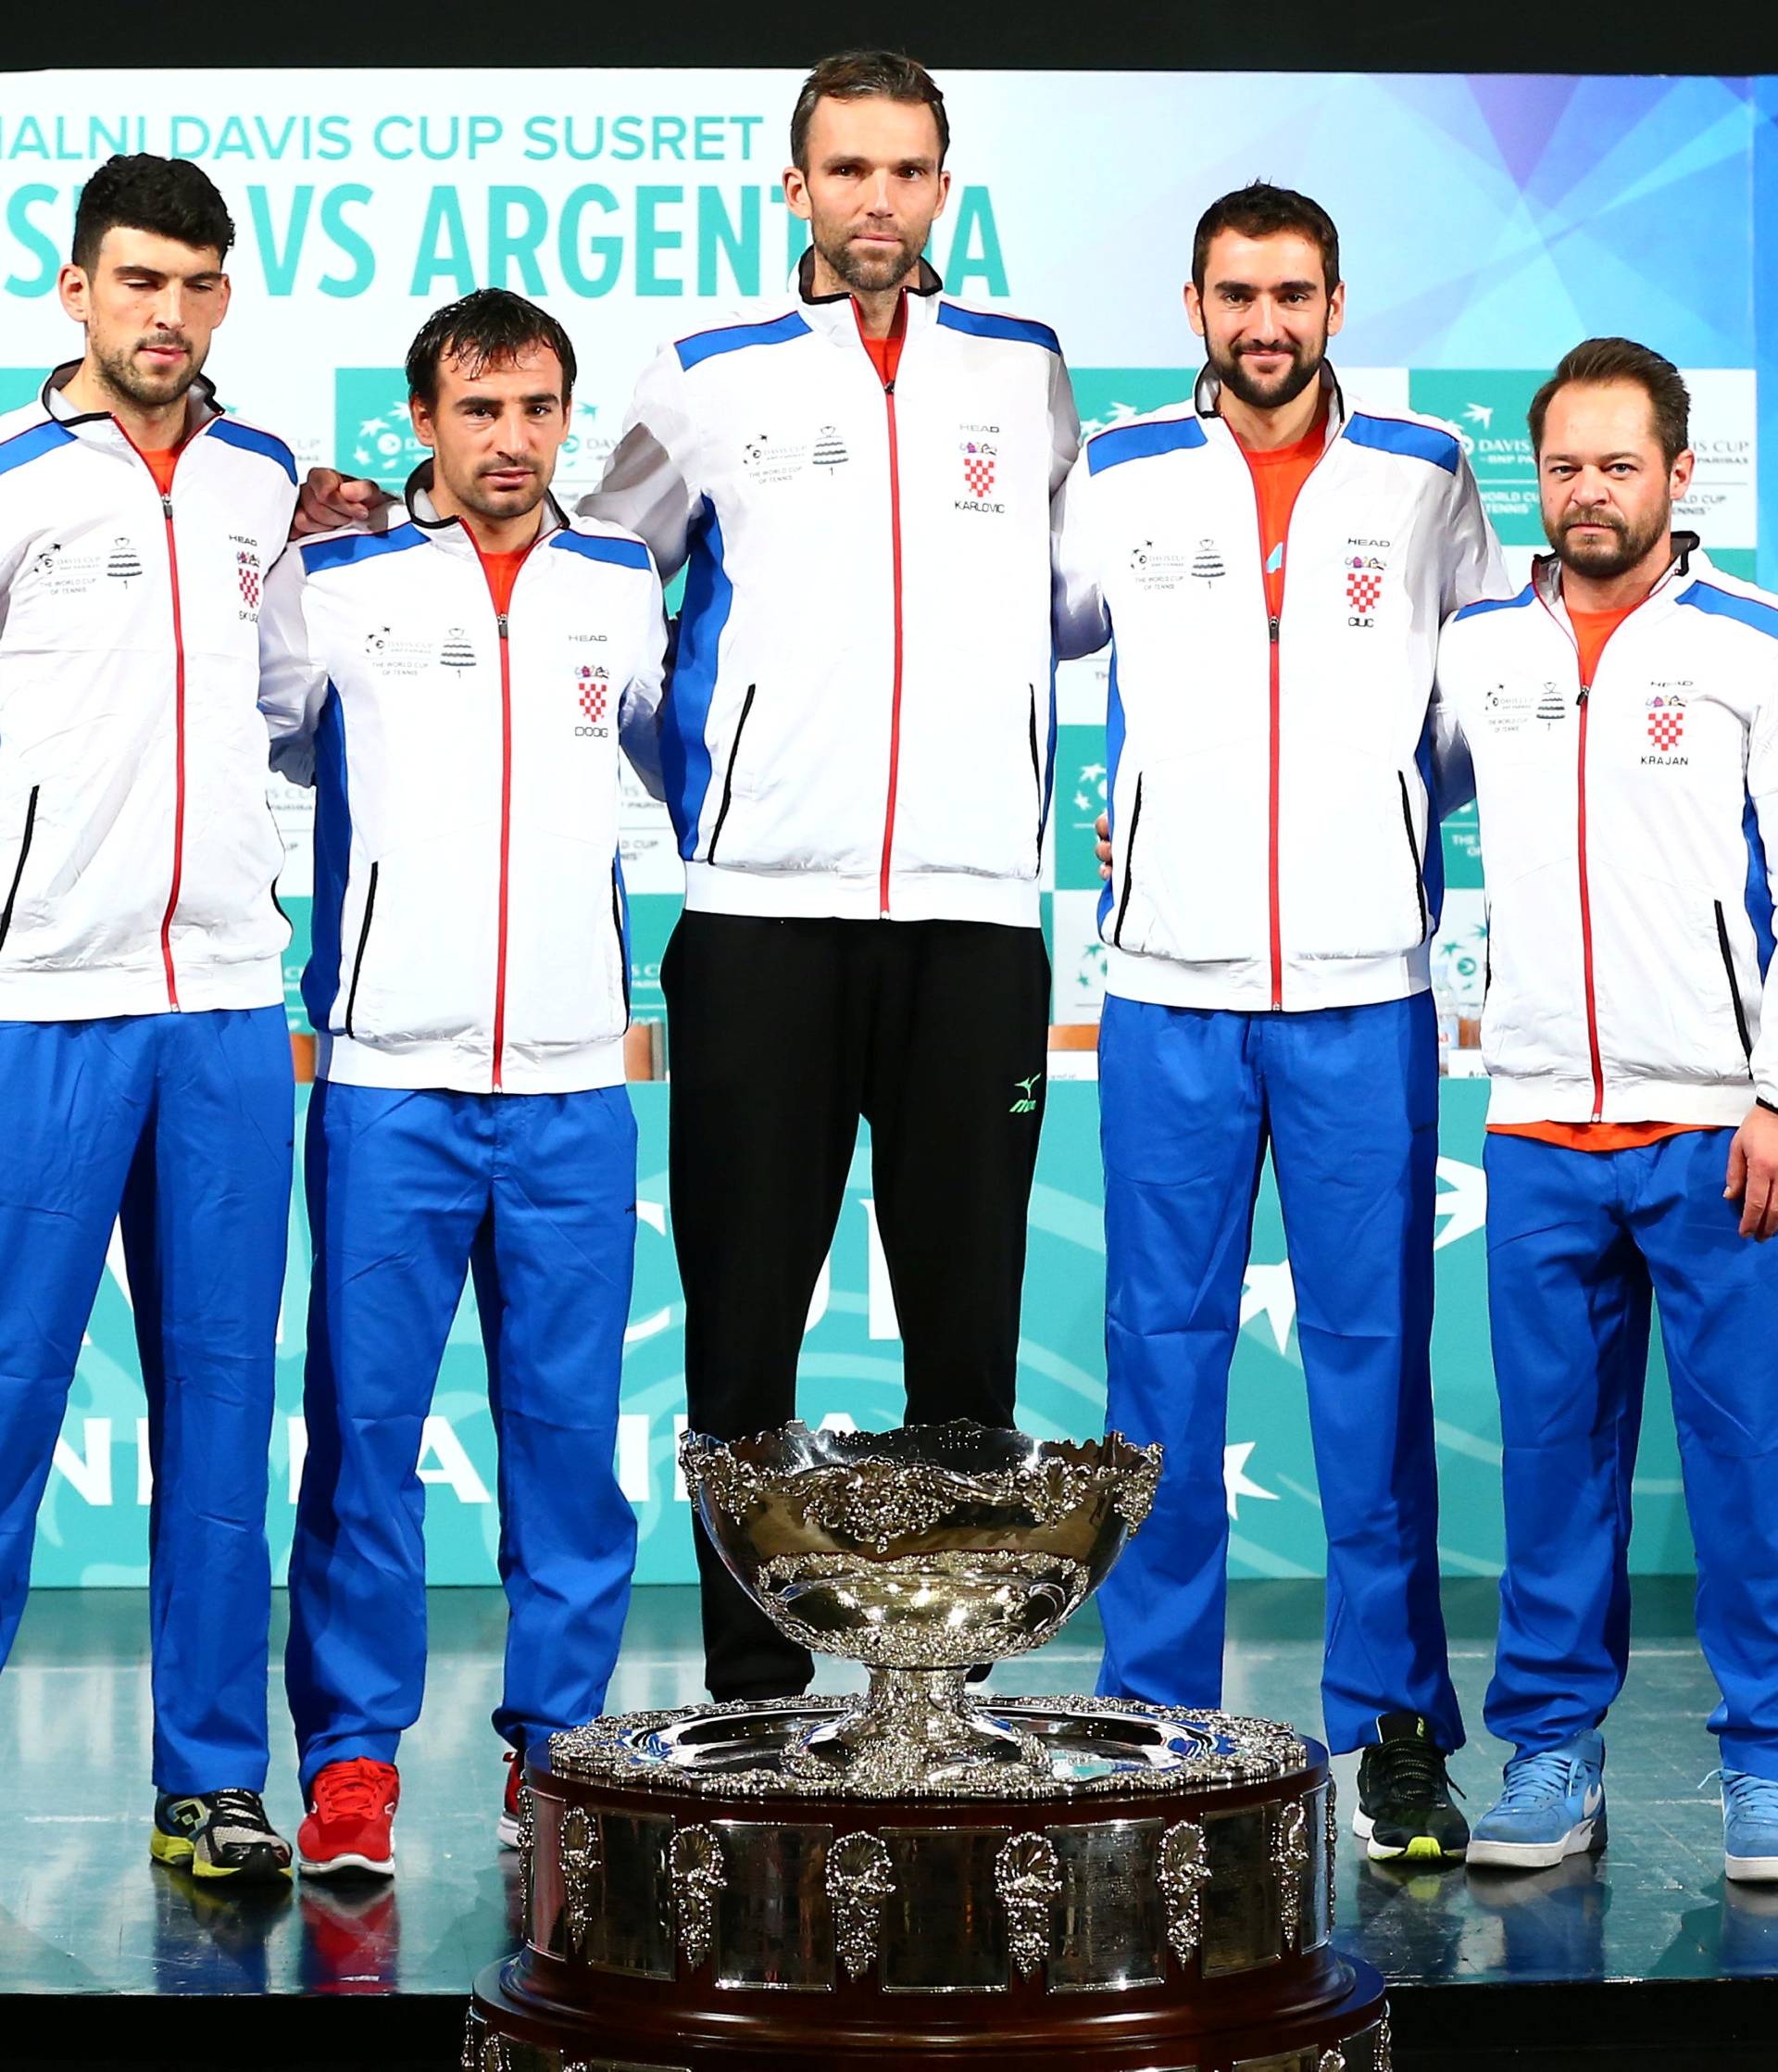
(1431, 861)
(735, 338)
(1142, 442)
(322, 976)
(987, 323)
(1113, 755)
(623, 908)
(1725, 604)
(1483, 605)
(1759, 894)
(359, 546)
(251, 440)
(685, 750)
(32, 444)
(1049, 757)
(625, 554)
(1418, 442)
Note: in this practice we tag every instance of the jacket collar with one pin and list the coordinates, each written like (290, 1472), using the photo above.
(201, 404)
(1689, 562)
(835, 314)
(1206, 398)
(417, 497)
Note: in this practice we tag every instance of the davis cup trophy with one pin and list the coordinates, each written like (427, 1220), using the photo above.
(917, 1876)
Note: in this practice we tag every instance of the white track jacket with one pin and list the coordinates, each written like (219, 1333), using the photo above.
(859, 718)
(137, 851)
(1271, 837)
(1626, 831)
(470, 925)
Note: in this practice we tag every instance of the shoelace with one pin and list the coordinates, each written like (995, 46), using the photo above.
(360, 1788)
(235, 1807)
(1756, 1797)
(1537, 1780)
(1416, 1767)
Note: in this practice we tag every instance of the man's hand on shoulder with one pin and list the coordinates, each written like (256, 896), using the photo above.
(329, 499)
(1753, 1173)
(1102, 828)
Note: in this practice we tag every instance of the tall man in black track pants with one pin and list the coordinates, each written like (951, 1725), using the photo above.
(858, 738)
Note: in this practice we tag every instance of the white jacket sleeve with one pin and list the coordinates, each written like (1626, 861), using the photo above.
(1064, 425)
(1078, 616)
(1474, 566)
(639, 708)
(1762, 792)
(293, 684)
(650, 482)
(1453, 772)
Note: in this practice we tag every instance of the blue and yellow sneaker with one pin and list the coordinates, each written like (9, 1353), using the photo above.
(1750, 1828)
(218, 1835)
(1553, 1806)
(1405, 1811)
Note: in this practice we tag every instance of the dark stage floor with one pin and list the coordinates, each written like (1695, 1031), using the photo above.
(383, 1972)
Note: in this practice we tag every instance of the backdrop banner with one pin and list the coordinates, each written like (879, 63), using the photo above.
(1486, 224)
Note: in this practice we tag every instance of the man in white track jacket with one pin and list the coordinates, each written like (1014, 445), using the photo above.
(454, 684)
(857, 743)
(1621, 716)
(145, 1061)
(1275, 883)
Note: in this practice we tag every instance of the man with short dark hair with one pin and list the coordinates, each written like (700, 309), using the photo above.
(144, 1064)
(454, 683)
(1619, 716)
(1272, 562)
(857, 740)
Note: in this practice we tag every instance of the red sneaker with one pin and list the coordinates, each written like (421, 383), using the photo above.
(351, 1808)
(511, 1811)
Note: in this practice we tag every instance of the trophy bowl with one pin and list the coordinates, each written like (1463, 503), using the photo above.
(919, 1553)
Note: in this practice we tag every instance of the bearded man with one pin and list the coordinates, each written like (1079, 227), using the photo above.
(1275, 559)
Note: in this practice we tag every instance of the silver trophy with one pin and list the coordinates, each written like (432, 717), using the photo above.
(918, 1553)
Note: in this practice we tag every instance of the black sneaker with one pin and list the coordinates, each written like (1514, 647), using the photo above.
(219, 1834)
(1405, 1806)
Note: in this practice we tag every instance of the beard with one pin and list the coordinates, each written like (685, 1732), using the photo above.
(477, 495)
(1618, 552)
(868, 272)
(147, 390)
(1272, 394)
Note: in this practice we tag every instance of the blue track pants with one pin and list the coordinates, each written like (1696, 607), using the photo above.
(178, 1125)
(1348, 1099)
(407, 1192)
(1578, 1242)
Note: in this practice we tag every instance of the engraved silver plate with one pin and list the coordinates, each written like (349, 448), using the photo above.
(859, 1877)
(1108, 1931)
(1318, 1884)
(1184, 1872)
(631, 1924)
(1241, 1899)
(773, 1929)
(944, 1931)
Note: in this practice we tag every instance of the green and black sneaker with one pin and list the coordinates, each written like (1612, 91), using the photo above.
(220, 1835)
(1405, 1809)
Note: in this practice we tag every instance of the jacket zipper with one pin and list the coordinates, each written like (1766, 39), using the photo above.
(1274, 906)
(1413, 851)
(1586, 922)
(1129, 864)
(728, 775)
(364, 937)
(623, 958)
(1037, 778)
(505, 846)
(1728, 966)
(895, 700)
(19, 869)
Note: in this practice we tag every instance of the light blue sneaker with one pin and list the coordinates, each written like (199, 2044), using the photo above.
(1553, 1806)
(1749, 1828)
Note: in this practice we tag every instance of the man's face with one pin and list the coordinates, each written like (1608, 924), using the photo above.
(1607, 491)
(1265, 315)
(495, 435)
(873, 189)
(149, 306)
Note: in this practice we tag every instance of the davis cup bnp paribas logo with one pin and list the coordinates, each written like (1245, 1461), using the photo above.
(373, 433)
(1487, 406)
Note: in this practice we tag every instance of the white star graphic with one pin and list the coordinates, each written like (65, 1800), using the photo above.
(1464, 1202)
(1235, 1481)
(1272, 1289)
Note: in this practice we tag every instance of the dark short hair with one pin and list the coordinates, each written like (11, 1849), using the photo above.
(858, 75)
(1261, 210)
(1595, 361)
(169, 197)
(490, 328)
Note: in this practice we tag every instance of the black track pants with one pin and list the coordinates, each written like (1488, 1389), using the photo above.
(782, 1033)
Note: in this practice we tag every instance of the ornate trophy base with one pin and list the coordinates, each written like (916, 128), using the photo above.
(1141, 1891)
